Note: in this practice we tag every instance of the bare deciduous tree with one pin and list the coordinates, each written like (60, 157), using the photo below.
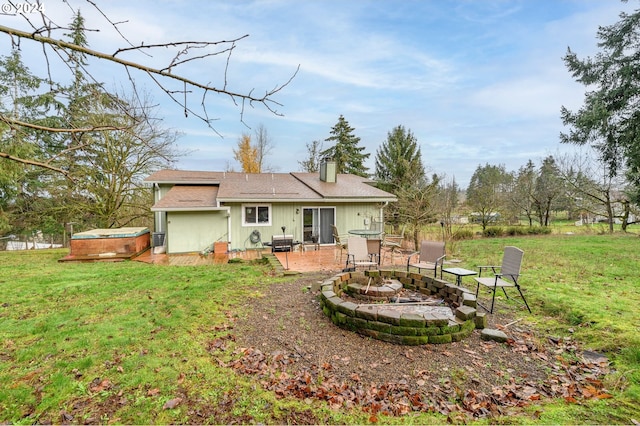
(594, 190)
(263, 145)
(170, 77)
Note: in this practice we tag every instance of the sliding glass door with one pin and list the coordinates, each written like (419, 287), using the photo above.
(317, 222)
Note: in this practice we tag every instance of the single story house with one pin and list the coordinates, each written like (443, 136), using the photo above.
(194, 209)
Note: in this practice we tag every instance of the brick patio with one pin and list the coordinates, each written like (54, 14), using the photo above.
(325, 259)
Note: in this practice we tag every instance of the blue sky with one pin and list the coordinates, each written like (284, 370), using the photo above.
(476, 81)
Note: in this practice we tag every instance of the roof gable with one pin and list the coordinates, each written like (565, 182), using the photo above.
(188, 197)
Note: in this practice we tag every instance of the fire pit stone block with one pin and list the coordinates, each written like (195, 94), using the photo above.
(406, 324)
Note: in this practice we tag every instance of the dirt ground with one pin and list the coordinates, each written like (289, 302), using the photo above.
(289, 319)
(473, 376)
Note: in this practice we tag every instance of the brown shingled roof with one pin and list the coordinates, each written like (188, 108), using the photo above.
(188, 197)
(198, 189)
(346, 186)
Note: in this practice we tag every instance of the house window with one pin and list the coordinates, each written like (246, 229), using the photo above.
(256, 215)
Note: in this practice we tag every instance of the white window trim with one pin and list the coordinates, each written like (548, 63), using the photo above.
(244, 219)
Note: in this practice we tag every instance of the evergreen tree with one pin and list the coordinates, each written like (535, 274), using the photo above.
(548, 190)
(609, 119)
(345, 152)
(399, 160)
(106, 166)
(523, 190)
(22, 194)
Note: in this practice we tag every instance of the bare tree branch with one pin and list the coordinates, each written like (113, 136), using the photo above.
(166, 72)
(13, 123)
(34, 163)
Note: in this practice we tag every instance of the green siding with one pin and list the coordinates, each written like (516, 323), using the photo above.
(348, 216)
(194, 231)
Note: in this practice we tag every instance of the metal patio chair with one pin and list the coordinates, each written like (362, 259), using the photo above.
(339, 240)
(431, 254)
(505, 275)
(358, 254)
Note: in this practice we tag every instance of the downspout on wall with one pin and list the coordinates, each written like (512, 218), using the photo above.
(157, 216)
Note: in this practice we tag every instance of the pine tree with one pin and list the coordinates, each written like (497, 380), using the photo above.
(609, 119)
(345, 152)
(399, 160)
(21, 186)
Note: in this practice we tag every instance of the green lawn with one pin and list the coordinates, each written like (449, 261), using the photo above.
(124, 342)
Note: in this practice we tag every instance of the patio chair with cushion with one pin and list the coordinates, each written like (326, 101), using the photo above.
(358, 253)
(431, 255)
(505, 275)
(339, 240)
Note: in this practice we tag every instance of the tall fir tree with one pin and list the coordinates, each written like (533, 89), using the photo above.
(609, 119)
(22, 196)
(399, 160)
(349, 157)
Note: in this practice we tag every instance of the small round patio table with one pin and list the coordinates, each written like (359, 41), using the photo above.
(367, 233)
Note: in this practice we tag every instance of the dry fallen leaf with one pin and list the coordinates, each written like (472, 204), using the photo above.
(172, 403)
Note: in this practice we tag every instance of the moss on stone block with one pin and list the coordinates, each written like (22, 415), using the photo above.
(340, 318)
(400, 274)
(392, 317)
(391, 338)
(457, 337)
(481, 320)
(412, 320)
(450, 328)
(333, 302)
(355, 322)
(326, 311)
(372, 273)
(327, 286)
(428, 331)
(370, 333)
(415, 340)
(403, 331)
(334, 319)
(379, 326)
(439, 339)
(435, 321)
(468, 325)
(386, 273)
(347, 308)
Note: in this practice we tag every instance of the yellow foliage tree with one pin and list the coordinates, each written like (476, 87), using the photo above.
(247, 155)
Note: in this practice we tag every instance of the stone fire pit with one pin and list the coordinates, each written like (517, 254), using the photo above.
(413, 323)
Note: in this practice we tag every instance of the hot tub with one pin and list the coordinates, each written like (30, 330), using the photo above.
(122, 243)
